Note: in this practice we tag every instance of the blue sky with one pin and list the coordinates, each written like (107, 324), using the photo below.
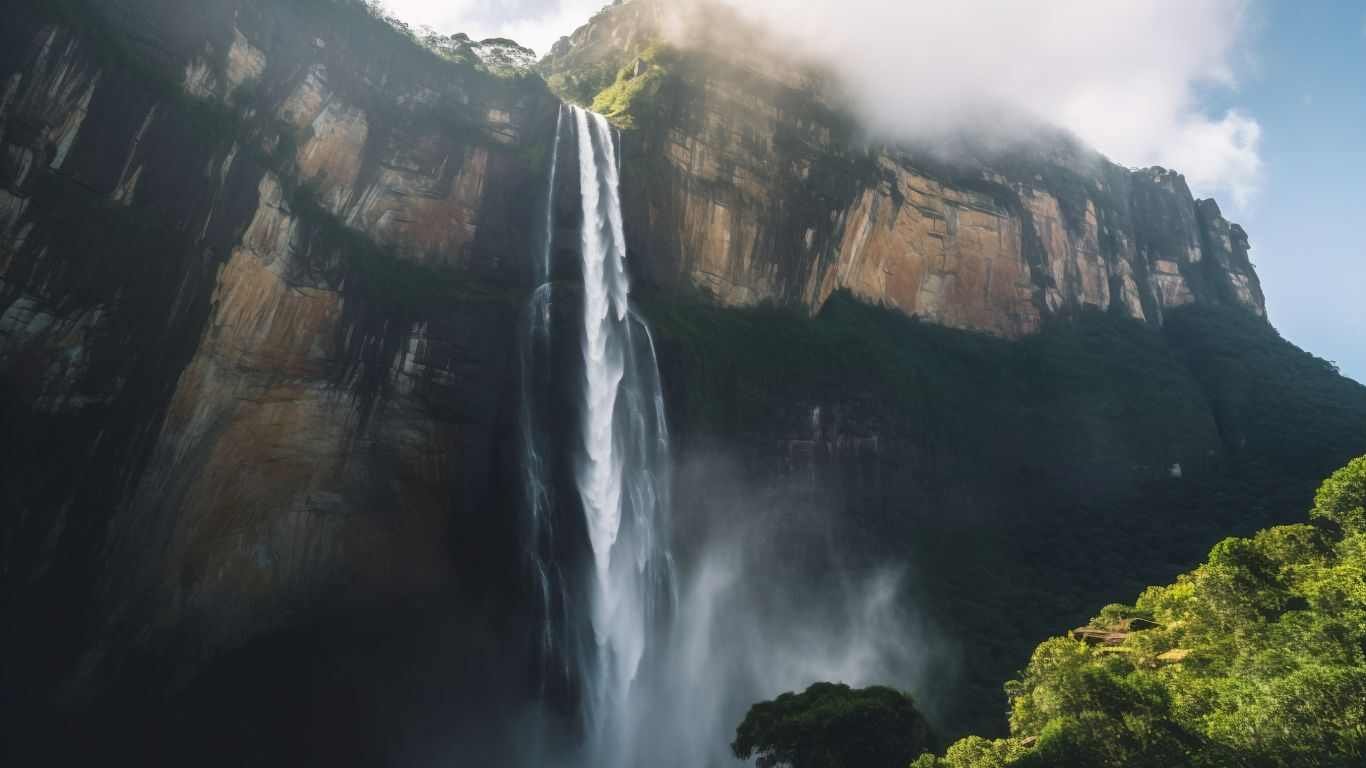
(1260, 103)
(1307, 222)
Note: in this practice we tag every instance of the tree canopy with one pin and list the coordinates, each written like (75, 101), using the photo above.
(1255, 658)
(830, 725)
(1342, 498)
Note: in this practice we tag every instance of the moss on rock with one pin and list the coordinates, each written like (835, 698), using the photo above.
(637, 84)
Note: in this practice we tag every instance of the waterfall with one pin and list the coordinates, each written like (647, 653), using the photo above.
(536, 381)
(622, 465)
(597, 634)
(548, 244)
(642, 663)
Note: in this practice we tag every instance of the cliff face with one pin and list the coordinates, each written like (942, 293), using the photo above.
(262, 272)
(752, 188)
(257, 305)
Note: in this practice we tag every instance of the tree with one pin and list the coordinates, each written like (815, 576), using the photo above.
(834, 726)
(1342, 498)
(1255, 658)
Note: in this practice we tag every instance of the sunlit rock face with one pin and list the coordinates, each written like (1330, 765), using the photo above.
(755, 186)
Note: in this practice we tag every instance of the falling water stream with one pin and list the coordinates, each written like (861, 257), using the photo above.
(535, 346)
(622, 465)
(656, 667)
(620, 462)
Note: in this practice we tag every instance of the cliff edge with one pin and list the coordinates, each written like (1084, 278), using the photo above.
(754, 185)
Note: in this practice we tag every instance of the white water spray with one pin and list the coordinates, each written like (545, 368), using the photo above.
(596, 633)
(655, 679)
(623, 454)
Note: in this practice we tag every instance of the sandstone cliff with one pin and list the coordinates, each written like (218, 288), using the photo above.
(754, 186)
(258, 290)
(262, 268)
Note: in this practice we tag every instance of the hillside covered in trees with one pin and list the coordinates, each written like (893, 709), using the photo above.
(1257, 659)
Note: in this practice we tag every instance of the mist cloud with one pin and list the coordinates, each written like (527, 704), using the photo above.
(1129, 77)
(1126, 76)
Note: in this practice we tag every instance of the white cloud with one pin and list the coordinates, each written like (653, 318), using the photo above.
(1218, 155)
(1126, 76)
(533, 23)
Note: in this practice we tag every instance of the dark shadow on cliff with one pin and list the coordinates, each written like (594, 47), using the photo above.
(411, 682)
(1025, 481)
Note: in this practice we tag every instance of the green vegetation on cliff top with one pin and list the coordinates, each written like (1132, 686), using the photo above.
(637, 84)
(623, 86)
(1257, 658)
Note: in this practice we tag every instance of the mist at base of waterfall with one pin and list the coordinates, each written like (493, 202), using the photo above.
(772, 597)
(681, 616)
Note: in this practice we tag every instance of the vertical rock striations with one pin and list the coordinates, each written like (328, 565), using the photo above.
(258, 292)
(753, 188)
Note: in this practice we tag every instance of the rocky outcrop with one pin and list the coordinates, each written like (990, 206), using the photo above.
(754, 187)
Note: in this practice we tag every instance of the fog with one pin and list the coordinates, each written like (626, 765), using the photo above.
(772, 596)
(1126, 76)
(1129, 77)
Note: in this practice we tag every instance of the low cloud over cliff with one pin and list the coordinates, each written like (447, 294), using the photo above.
(1130, 77)
(1133, 78)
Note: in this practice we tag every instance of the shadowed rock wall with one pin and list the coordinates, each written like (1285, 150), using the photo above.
(259, 288)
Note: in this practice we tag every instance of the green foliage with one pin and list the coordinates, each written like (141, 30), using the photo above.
(1116, 614)
(627, 100)
(833, 726)
(498, 56)
(581, 86)
(1085, 418)
(1258, 659)
(976, 752)
(1342, 498)
(1103, 369)
(1287, 417)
